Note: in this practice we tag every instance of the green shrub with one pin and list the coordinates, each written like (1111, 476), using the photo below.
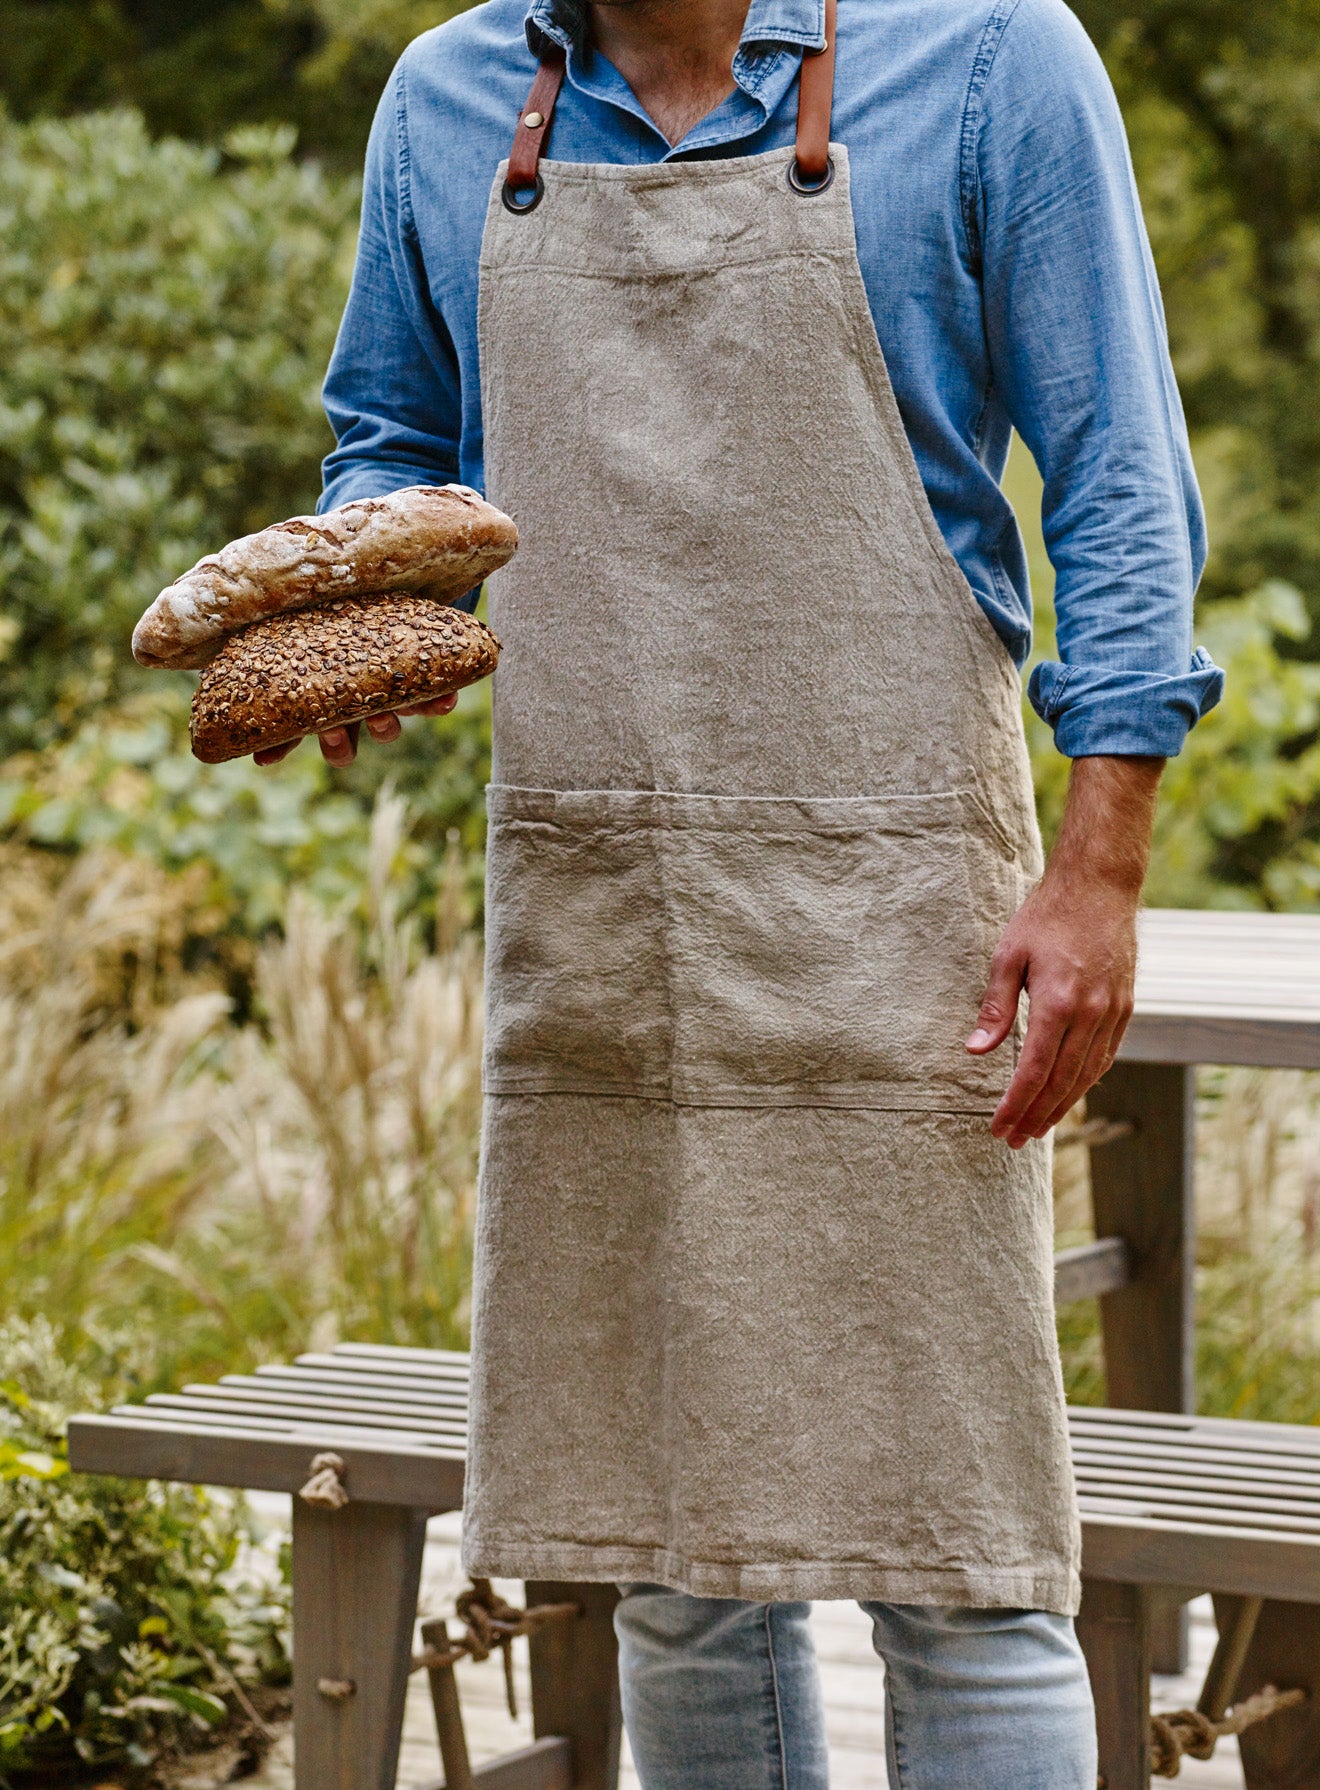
(197, 68)
(166, 314)
(129, 1621)
(127, 781)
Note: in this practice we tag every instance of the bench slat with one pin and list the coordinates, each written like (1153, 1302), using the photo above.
(1219, 1432)
(1151, 1468)
(1143, 1550)
(266, 1392)
(1091, 1416)
(1208, 1511)
(307, 1412)
(1233, 1490)
(387, 1354)
(429, 1392)
(137, 1448)
(180, 1412)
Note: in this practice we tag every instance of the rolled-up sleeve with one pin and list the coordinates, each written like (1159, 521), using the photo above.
(392, 393)
(1079, 350)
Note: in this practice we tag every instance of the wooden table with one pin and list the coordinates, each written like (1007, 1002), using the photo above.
(1211, 988)
(1224, 988)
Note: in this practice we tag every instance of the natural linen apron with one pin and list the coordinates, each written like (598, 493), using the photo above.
(762, 1309)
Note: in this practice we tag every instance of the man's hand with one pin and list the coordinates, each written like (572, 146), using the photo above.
(1072, 946)
(339, 744)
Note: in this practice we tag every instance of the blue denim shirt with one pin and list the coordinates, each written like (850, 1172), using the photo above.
(1004, 256)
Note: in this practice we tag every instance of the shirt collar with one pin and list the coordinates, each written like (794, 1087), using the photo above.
(772, 23)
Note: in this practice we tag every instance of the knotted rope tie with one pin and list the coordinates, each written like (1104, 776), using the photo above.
(326, 1489)
(1188, 1732)
(491, 1625)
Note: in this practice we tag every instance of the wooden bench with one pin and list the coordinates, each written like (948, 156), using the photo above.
(1188, 1502)
(395, 1421)
(1173, 1505)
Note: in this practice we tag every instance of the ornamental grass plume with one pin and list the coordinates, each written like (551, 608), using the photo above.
(233, 1190)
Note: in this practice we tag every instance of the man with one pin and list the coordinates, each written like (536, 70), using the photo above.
(763, 1304)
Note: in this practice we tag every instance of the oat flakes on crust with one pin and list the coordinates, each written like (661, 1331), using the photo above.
(441, 539)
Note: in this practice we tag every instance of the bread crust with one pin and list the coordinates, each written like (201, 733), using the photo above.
(440, 539)
(310, 669)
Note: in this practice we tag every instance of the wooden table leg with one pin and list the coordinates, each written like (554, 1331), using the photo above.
(575, 1680)
(1282, 1752)
(1113, 1631)
(1142, 1188)
(356, 1573)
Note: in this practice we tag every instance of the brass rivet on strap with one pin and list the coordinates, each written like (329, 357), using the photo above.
(534, 121)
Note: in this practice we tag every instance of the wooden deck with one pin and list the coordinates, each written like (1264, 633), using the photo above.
(851, 1675)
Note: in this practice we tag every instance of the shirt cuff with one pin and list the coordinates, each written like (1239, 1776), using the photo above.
(1101, 712)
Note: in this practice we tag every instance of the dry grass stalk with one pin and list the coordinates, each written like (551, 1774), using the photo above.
(235, 1188)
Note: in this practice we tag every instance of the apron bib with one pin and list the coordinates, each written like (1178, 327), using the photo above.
(762, 1310)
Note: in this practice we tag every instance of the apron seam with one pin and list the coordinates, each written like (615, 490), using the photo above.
(726, 1100)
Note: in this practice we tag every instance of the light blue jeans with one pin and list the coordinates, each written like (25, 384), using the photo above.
(724, 1695)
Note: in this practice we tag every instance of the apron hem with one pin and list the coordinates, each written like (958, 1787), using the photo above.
(980, 1588)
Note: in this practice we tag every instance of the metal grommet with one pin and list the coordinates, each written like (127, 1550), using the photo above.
(534, 120)
(518, 206)
(808, 187)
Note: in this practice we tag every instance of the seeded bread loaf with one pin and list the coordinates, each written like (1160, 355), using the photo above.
(440, 539)
(310, 669)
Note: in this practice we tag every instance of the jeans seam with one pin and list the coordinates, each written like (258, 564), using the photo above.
(774, 1694)
(900, 1773)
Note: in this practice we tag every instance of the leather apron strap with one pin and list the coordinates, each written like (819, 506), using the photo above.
(811, 170)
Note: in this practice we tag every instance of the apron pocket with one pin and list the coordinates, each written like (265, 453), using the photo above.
(576, 959)
(744, 951)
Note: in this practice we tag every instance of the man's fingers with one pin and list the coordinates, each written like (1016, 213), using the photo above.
(273, 754)
(339, 744)
(1046, 1034)
(1062, 1087)
(1100, 1056)
(999, 1008)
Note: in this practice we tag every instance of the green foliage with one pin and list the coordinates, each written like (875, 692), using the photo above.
(129, 1620)
(1236, 820)
(1256, 1351)
(1223, 106)
(198, 69)
(1234, 824)
(166, 314)
(128, 781)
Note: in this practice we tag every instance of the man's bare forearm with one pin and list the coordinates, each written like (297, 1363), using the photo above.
(1073, 947)
(1107, 822)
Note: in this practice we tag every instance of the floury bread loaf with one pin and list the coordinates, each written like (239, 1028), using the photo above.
(440, 540)
(344, 661)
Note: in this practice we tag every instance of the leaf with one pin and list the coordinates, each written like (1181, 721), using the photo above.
(206, 1708)
(41, 1466)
